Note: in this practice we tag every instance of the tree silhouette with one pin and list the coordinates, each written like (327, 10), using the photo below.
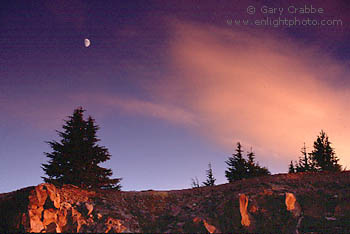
(210, 178)
(251, 163)
(254, 169)
(323, 155)
(195, 183)
(305, 162)
(237, 166)
(291, 167)
(260, 171)
(75, 158)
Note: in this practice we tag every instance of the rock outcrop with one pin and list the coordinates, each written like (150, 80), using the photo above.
(288, 203)
(243, 205)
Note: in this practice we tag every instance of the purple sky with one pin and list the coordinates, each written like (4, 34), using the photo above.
(168, 83)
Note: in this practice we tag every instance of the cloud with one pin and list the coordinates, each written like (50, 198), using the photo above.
(263, 89)
(133, 105)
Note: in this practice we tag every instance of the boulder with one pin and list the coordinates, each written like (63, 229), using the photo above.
(292, 205)
(243, 205)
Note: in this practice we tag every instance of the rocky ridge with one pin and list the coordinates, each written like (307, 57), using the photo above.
(286, 203)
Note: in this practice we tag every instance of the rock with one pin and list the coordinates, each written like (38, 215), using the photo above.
(39, 218)
(50, 216)
(89, 208)
(114, 225)
(292, 205)
(41, 196)
(53, 194)
(263, 207)
(210, 228)
(253, 209)
(243, 205)
(51, 228)
(35, 219)
(62, 214)
(78, 220)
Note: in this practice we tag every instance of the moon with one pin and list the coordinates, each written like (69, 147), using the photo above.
(87, 42)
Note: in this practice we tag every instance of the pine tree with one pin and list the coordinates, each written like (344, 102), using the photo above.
(210, 178)
(261, 171)
(75, 158)
(323, 155)
(291, 167)
(305, 162)
(251, 163)
(237, 165)
(253, 168)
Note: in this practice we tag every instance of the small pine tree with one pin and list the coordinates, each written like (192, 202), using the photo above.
(210, 178)
(195, 183)
(237, 166)
(291, 167)
(261, 171)
(75, 158)
(305, 162)
(323, 155)
(251, 163)
(254, 169)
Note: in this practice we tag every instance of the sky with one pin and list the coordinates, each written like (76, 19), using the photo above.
(173, 85)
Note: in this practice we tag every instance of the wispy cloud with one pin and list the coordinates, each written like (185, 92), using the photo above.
(131, 105)
(262, 89)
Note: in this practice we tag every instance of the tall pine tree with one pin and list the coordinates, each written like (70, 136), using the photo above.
(75, 158)
(210, 177)
(237, 165)
(323, 155)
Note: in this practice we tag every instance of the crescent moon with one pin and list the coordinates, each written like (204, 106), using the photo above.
(87, 42)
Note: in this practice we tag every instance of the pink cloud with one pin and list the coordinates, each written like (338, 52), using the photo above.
(262, 89)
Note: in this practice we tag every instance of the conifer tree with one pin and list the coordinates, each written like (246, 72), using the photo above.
(253, 168)
(237, 165)
(323, 155)
(240, 168)
(210, 177)
(291, 167)
(251, 163)
(305, 161)
(261, 171)
(75, 158)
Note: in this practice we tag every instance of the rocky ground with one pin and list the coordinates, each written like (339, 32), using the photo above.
(286, 203)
